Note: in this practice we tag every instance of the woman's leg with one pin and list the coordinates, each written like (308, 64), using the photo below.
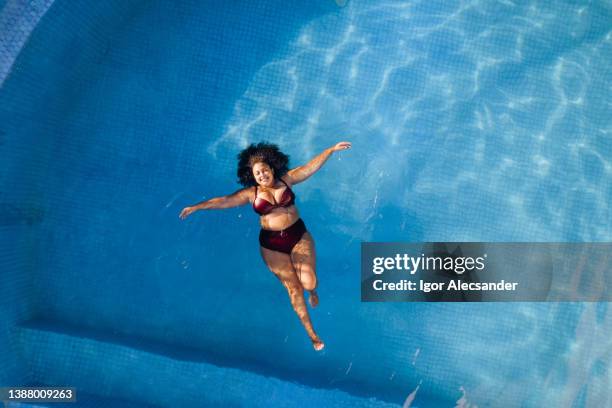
(280, 264)
(303, 257)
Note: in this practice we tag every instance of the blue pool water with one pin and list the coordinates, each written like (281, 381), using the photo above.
(470, 121)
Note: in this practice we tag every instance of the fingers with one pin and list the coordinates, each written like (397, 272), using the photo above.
(184, 213)
(343, 146)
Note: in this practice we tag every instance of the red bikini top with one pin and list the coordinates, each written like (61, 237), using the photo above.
(263, 207)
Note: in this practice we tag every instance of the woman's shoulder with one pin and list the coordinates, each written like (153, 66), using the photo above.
(249, 192)
(287, 180)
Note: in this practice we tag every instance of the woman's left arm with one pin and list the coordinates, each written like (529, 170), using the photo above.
(301, 173)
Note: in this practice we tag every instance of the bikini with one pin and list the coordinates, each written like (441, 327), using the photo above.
(283, 240)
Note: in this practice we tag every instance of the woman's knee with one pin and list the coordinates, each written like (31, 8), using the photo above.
(309, 281)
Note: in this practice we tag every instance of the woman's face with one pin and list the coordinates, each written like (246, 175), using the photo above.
(264, 175)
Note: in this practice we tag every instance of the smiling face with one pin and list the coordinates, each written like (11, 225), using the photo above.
(263, 174)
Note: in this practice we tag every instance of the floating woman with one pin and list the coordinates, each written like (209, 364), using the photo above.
(287, 247)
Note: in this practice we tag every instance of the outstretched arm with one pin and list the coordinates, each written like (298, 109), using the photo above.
(301, 173)
(236, 199)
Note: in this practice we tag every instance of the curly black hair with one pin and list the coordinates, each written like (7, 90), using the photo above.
(262, 152)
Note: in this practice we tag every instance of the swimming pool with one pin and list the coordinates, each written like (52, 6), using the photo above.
(470, 121)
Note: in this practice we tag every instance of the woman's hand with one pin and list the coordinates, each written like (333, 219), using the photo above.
(186, 212)
(341, 146)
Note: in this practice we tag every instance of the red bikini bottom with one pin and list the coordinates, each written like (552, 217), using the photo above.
(284, 240)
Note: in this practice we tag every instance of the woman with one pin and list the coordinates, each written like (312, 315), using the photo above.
(287, 247)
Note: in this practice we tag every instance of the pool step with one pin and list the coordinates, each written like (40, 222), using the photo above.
(136, 370)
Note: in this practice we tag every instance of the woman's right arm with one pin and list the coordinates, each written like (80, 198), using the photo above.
(236, 199)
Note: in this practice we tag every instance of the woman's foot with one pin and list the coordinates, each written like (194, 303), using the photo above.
(318, 344)
(313, 299)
